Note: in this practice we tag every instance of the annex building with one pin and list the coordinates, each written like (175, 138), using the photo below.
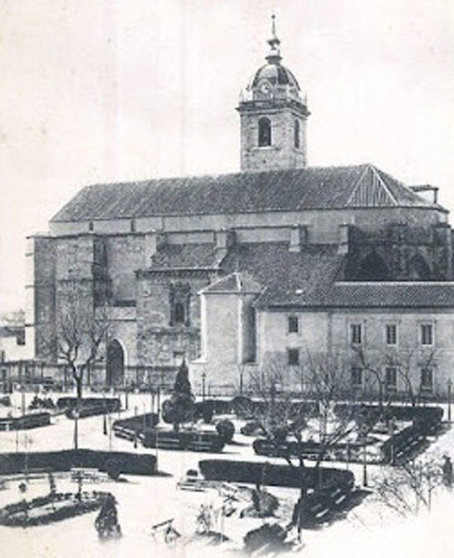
(233, 271)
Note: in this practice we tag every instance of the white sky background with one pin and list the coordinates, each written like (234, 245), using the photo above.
(110, 90)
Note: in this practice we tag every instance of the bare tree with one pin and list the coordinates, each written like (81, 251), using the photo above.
(372, 363)
(339, 415)
(408, 488)
(406, 360)
(81, 330)
(309, 417)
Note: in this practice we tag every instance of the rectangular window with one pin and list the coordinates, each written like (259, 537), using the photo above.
(356, 334)
(293, 357)
(357, 377)
(427, 337)
(391, 334)
(427, 379)
(293, 324)
(391, 378)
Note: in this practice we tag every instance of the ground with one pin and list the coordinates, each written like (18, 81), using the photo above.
(368, 530)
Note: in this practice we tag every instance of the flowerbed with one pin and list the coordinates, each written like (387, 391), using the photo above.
(50, 508)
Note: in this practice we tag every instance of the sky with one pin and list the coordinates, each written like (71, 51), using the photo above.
(99, 91)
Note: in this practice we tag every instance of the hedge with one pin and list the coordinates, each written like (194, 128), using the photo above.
(107, 404)
(275, 475)
(245, 407)
(184, 440)
(25, 422)
(65, 460)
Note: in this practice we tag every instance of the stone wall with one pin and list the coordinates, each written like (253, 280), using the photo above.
(160, 339)
(404, 252)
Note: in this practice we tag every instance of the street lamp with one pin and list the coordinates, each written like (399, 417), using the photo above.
(364, 440)
(203, 384)
(449, 399)
(76, 428)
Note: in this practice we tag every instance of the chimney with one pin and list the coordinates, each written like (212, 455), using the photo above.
(224, 239)
(298, 237)
(342, 247)
(153, 240)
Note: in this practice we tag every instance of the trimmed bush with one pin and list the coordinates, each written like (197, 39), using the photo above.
(226, 430)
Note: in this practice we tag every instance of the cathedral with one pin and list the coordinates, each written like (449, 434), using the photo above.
(232, 272)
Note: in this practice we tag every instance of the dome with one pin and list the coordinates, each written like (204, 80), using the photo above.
(276, 74)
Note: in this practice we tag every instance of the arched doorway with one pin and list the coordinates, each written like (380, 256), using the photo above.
(115, 364)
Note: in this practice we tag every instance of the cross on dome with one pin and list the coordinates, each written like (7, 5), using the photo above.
(274, 56)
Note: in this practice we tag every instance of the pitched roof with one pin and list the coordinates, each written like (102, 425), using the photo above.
(185, 256)
(234, 283)
(391, 295)
(312, 278)
(279, 190)
(282, 273)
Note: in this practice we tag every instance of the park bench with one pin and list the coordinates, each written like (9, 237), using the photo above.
(168, 443)
(124, 433)
(86, 474)
(200, 445)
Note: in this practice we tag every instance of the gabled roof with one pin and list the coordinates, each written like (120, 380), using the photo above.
(282, 273)
(234, 283)
(279, 190)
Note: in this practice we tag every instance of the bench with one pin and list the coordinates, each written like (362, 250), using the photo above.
(86, 474)
(200, 445)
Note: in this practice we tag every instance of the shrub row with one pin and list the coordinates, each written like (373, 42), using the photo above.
(246, 407)
(108, 404)
(184, 440)
(428, 415)
(276, 475)
(65, 460)
(25, 422)
(132, 427)
(271, 448)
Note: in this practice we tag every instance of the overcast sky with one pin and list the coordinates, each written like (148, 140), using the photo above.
(110, 90)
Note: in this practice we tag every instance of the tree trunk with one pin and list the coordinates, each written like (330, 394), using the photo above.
(78, 389)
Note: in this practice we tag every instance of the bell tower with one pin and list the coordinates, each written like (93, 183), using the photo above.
(273, 115)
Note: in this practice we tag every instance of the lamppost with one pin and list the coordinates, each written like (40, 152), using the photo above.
(449, 399)
(203, 384)
(364, 440)
(76, 428)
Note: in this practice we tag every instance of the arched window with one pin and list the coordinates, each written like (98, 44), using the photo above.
(373, 268)
(179, 313)
(264, 132)
(296, 134)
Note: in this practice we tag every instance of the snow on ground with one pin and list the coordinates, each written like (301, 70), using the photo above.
(369, 529)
